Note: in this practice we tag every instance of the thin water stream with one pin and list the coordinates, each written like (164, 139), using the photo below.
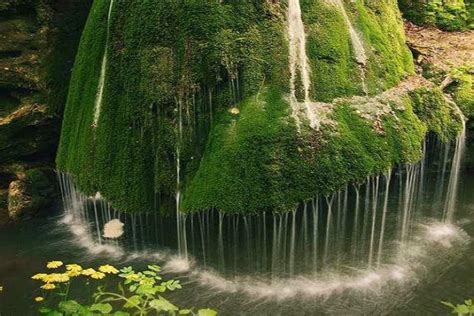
(103, 69)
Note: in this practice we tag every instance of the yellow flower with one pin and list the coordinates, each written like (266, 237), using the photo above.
(73, 274)
(1, 288)
(88, 272)
(132, 277)
(39, 299)
(54, 264)
(108, 269)
(56, 277)
(39, 276)
(97, 275)
(73, 267)
(48, 286)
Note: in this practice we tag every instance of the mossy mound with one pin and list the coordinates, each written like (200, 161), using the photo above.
(463, 89)
(453, 15)
(173, 71)
(256, 162)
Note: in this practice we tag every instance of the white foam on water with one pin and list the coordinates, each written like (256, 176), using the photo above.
(430, 246)
(113, 229)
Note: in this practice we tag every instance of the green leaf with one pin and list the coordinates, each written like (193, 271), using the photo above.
(150, 273)
(462, 309)
(126, 270)
(154, 268)
(185, 311)
(133, 302)
(207, 312)
(44, 310)
(102, 308)
(120, 313)
(448, 304)
(70, 307)
(162, 304)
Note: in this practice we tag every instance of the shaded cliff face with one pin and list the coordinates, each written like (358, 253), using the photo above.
(37, 48)
(209, 103)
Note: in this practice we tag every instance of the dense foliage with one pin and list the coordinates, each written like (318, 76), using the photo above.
(450, 15)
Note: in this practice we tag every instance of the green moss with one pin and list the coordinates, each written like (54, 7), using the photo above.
(390, 59)
(167, 63)
(254, 162)
(175, 69)
(335, 72)
(464, 90)
(440, 116)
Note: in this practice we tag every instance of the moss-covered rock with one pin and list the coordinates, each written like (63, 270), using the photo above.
(432, 107)
(255, 161)
(335, 69)
(463, 89)
(148, 107)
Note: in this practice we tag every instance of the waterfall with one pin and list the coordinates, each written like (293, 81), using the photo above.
(388, 178)
(180, 218)
(103, 69)
(451, 197)
(364, 226)
(299, 62)
(356, 41)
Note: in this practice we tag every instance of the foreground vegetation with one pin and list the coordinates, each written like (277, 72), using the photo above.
(121, 292)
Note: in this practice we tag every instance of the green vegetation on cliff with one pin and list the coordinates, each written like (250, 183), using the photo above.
(452, 15)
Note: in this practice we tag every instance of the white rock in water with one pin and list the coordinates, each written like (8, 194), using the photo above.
(113, 229)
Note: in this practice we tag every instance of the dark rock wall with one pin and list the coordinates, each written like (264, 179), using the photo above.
(38, 42)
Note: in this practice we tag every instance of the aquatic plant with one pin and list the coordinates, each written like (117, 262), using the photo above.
(461, 309)
(133, 292)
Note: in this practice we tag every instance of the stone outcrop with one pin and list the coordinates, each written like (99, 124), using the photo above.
(38, 40)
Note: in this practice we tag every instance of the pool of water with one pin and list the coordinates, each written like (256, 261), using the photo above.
(390, 245)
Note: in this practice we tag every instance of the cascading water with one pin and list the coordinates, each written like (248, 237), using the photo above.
(360, 238)
(103, 70)
(338, 230)
(450, 205)
(357, 43)
(299, 65)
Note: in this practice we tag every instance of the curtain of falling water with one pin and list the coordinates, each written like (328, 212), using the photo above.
(361, 226)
